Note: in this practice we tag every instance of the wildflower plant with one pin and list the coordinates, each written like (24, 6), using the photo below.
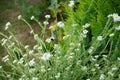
(86, 47)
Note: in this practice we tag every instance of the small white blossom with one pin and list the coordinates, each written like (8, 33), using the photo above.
(35, 36)
(8, 24)
(34, 78)
(48, 40)
(8, 76)
(10, 37)
(60, 24)
(85, 31)
(115, 17)
(31, 52)
(19, 17)
(118, 58)
(118, 28)
(51, 27)
(110, 73)
(102, 77)
(45, 22)
(114, 68)
(47, 16)
(32, 62)
(111, 35)
(15, 61)
(3, 41)
(31, 32)
(32, 17)
(99, 38)
(57, 76)
(86, 25)
(46, 56)
(71, 3)
(20, 61)
(5, 58)
(84, 68)
(26, 46)
(35, 47)
(32, 70)
(90, 50)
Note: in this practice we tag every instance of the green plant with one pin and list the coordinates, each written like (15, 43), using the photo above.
(78, 55)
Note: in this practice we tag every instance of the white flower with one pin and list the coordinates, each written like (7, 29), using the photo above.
(47, 16)
(85, 31)
(32, 70)
(8, 24)
(102, 77)
(60, 24)
(118, 58)
(51, 27)
(32, 17)
(31, 32)
(110, 73)
(86, 25)
(10, 37)
(48, 40)
(57, 76)
(46, 56)
(90, 50)
(83, 35)
(15, 61)
(19, 17)
(99, 38)
(114, 68)
(30, 52)
(5, 58)
(71, 3)
(118, 28)
(35, 47)
(34, 78)
(20, 61)
(26, 46)
(84, 68)
(3, 41)
(45, 22)
(115, 17)
(35, 36)
(111, 35)
(32, 62)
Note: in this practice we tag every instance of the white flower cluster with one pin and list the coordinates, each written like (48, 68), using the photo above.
(118, 28)
(46, 56)
(71, 3)
(60, 24)
(19, 17)
(48, 40)
(115, 17)
(5, 58)
(8, 24)
(47, 16)
(99, 38)
(32, 17)
(86, 25)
